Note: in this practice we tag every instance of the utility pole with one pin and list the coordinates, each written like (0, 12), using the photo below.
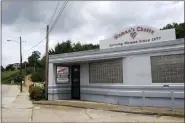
(21, 62)
(20, 42)
(46, 64)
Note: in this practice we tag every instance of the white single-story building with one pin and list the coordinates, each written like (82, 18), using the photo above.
(140, 66)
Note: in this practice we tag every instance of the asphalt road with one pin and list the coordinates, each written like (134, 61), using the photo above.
(5, 90)
(9, 94)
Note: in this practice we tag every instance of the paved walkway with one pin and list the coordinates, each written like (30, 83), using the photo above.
(5, 89)
(116, 108)
(9, 95)
(20, 110)
(49, 113)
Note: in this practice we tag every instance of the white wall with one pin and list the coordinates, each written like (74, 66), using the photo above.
(51, 77)
(136, 70)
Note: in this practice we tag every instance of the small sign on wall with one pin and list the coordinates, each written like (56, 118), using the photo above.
(62, 74)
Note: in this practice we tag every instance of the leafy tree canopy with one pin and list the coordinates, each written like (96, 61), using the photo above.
(33, 59)
(67, 47)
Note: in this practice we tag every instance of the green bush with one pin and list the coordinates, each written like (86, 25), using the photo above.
(35, 77)
(36, 93)
(30, 88)
(38, 76)
(41, 73)
(29, 70)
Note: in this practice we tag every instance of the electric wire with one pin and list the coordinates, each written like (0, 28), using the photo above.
(63, 7)
(61, 10)
(54, 13)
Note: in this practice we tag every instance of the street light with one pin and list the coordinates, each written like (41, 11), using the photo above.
(16, 41)
(20, 59)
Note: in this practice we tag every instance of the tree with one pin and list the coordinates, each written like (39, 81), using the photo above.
(90, 46)
(78, 47)
(67, 47)
(64, 47)
(24, 64)
(33, 59)
(179, 28)
(10, 67)
(41, 63)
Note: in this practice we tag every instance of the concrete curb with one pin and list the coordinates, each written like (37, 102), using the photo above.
(173, 114)
(115, 108)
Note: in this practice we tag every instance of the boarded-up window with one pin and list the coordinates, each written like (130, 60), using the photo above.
(106, 71)
(168, 68)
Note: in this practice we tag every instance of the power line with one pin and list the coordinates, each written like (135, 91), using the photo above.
(48, 24)
(54, 12)
(61, 10)
(37, 44)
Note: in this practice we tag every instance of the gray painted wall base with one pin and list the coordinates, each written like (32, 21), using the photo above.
(59, 96)
(134, 101)
(125, 100)
(155, 96)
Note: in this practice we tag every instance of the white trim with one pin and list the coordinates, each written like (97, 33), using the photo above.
(117, 54)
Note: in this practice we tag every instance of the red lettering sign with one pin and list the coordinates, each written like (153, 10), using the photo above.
(131, 30)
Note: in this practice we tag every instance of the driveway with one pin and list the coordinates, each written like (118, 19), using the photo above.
(46, 113)
(9, 94)
(5, 90)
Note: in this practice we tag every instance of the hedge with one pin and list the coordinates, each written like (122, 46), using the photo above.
(36, 93)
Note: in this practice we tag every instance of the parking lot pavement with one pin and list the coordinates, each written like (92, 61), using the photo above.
(9, 94)
(46, 113)
(17, 106)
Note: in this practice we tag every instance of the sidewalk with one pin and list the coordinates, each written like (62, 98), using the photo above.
(20, 110)
(54, 114)
(115, 108)
(10, 96)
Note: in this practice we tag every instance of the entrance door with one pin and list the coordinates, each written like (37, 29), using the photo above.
(75, 82)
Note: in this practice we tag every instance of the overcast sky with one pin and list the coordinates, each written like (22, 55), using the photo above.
(87, 22)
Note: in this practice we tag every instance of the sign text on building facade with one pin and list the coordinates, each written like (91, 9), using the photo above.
(138, 35)
(133, 30)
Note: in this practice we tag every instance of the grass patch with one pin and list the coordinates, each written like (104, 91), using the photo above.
(16, 83)
(7, 74)
(7, 83)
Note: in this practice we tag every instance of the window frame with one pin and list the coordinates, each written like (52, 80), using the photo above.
(103, 60)
(164, 54)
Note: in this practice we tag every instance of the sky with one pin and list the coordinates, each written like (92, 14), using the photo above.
(81, 21)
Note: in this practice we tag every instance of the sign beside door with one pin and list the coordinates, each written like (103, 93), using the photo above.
(62, 74)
